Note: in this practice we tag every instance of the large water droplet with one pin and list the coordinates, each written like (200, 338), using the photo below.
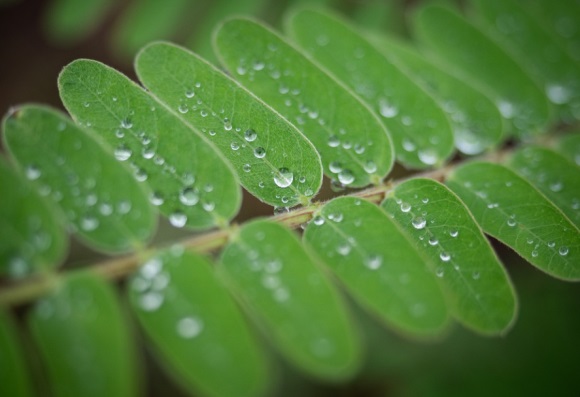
(156, 199)
(405, 207)
(178, 219)
(346, 177)
(370, 167)
(189, 196)
(419, 222)
(250, 135)
(189, 327)
(335, 167)
(283, 178)
(123, 153)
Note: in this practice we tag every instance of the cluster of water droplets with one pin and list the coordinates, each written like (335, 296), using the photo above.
(150, 283)
(268, 270)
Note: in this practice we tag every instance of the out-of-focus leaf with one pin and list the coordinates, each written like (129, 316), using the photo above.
(467, 52)
(510, 209)
(191, 182)
(69, 21)
(354, 146)
(32, 237)
(420, 130)
(379, 265)
(569, 147)
(292, 299)
(103, 203)
(83, 339)
(14, 378)
(195, 327)
(274, 161)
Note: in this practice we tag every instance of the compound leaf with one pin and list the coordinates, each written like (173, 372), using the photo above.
(354, 146)
(103, 203)
(32, 236)
(292, 299)
(195, 326)
(466, 51)
(380, 267)
(420, 129)
(274, 161)
(477, 288)
(83, 340)
(509, 208)
(190, 180)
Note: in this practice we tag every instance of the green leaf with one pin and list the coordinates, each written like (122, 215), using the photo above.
(476, 121)
(14, 377)
(70, 21)
(521, 34)
(103, 203)
(552, 174)
(83, 340)
(379, 265)
(569, 147)
(354, 146)
(195, 326)
(292, 299)
(148, 20)
(467, 52)
(191, 182)
(32, 238)
(420, 129)
(477, 288)
(508, 208)
(274, 161)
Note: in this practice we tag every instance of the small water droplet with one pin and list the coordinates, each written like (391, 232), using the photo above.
(373, 262)
(247, 167)
(563, 250)
(126, 123)
(178, 219)
(475, 275)
(318, 220)
(123, 153)
(343, 249)
(32, 172)
(440, 272)
(234, 145)
(333, 141)
(151, 301)
(511, 222)
(370, 167)
(405, 207)
(445, 257)
(336, 217)
(156, 199)
(551, 244)
(419, 222)
(227, 124)
(386, 109)
(283, 178)
(183, 108)
(408, 145)
(250, 135)
(259, 152)
(281, 294)
(189, 327)
(141, 175)
(454, 233)
(556, 186)
(433, 240)
(189, 94)
(427, 156)
(89, 223)
(534, 253)
(346, 177)
(208, 206)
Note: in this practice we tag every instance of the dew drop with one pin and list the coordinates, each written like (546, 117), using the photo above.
(551, 244)
(433, 241)
(208, 206)
(259, 152)
(189, 327)
(183, 108)
(408, 145)
(247, 167)
(511, 222)
(386, 109)
(141, 175)
(281, 294)
(336, 217)
(454, 233)
(346, 177)
(563, 250)
(283, 178)
(318, 220)
(189, 94)
(123, 153)
(343, 249)
(428, 156)
(475, 275)
(227, 124)
(89, 223)
(156, 199)
(373, 262)
(419, 222)
(32, 172)
(445, 257)
(126, 123)
(335, 167)
(189, 196)
(370, 167)
(151, 301)
(556, 186)
(250, 135)
(439, 272)
(178, 219)
(234, 146)
(405, 207)
(534, 253)
(333, 141)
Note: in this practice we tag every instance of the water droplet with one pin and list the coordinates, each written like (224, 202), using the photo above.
(208, 206)
(189, 196)
(227, 124)
(183, 108)
(373, 262)
(189, 327)
(534, 253)
(318, 220)
(511, 222)
(556, 186)
(250, 135)
(151, 301)
(189, 94)
(454, 233)
(178, 219)
(234, 146)
(273, 266)
(258, 65)
(123, 153)
(558, 94)
(408, 145)
(333, 141)
(419, 222)
(370, 167)
(89, 223)
(475, 275)
(343, 249)
(386, 109)
(141, 175)
(563, 250)
(433, 240)
(105, 209)
(405, 207)
(440, 272)
(156, 199)
(247, 167)
(492, 205)
(281, 294)
(427, 156)
(336, 217)
(126, 123)
(120, 134)
(445, 257)
(551, 244)
(123, 207)
(32, 172)
(283, 178)
(346, 177)
(259, 152)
